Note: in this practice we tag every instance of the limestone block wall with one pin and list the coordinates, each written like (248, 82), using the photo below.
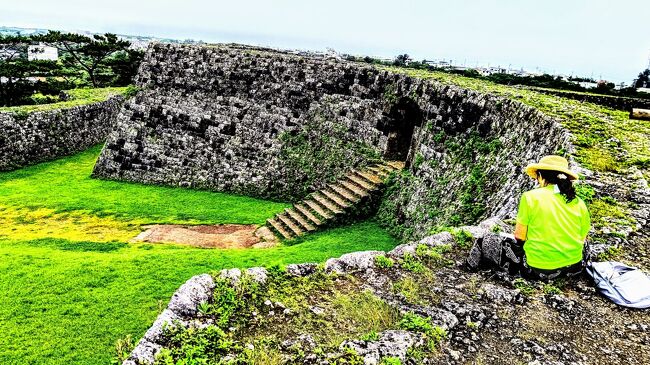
(245, 121)
(467, 159)
(42, 136)
(277, 125)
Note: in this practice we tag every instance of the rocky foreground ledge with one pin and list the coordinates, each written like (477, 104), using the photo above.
(414, 304)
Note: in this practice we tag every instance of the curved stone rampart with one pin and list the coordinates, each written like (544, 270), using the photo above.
(277, 125)
(238, 120)
(467, 158)
(609, 101)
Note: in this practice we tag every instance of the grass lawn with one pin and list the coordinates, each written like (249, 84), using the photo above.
(76, 97)
(70, 284)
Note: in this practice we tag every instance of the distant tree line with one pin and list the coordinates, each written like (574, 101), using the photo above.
(544, 81)
(97, 61)
(643, 80)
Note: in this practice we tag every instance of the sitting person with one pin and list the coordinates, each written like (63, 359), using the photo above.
(551, 228)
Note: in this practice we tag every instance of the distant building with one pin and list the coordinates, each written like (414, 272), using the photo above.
(587, 84)
(6, 53)
(643, 90)
(438, 63)
(42, 52)
(487, 71)
(519, 72)
(331, 53)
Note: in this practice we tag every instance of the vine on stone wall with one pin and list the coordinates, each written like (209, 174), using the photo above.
(321, 152)
(458, 195)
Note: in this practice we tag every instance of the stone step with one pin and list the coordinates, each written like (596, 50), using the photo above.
(318, 209)
(286, 220)
(361, 182)
(323, 205)
(379, 171)
(339, 200)
(396, 165)
(300, 219)
(305, 211)
(279, 228)
(323, 201)
(345, 193)
(373, 179)
(388, 168)
(356, 189)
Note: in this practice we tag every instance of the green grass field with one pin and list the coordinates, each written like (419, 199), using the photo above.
(70, 284)
(76, 97)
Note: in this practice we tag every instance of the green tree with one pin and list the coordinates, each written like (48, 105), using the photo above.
(100, 60)
(124, 66)
(605, 87)
(19, 77)
(90, 54)
(643, 80)
(402, 60)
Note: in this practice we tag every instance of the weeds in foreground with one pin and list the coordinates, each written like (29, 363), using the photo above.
(551, 289)
(409, 289)
(526, 288)
(434, 335)
(410, 263)
(123, 348)
(349, 357)
(463, 238)
(364, 313)
(611, 253)
(370, 336)
(434, 256)
(244, 323)
(262, 353)
(390, 361)
(384, 262)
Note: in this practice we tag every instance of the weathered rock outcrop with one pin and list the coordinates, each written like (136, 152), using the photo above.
(41, 136)
(452, 317)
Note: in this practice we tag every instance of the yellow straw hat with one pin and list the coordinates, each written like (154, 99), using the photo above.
(553, 163)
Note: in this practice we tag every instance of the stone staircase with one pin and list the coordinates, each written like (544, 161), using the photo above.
(334, 201)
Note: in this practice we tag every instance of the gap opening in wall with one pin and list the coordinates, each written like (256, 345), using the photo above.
(401, 120)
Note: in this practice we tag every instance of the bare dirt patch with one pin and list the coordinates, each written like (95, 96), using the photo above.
(209, 236)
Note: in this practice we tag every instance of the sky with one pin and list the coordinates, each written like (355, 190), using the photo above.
(602, 39)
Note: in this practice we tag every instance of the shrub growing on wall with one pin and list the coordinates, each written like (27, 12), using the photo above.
(322, 150)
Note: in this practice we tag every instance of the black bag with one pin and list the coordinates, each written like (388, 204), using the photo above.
(496, 251)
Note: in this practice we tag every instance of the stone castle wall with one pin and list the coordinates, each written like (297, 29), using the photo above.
(231, 119)
(466, 160)
(41, 136)
(277, 125)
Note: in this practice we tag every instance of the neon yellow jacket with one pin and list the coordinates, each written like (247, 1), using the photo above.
(556, 230)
